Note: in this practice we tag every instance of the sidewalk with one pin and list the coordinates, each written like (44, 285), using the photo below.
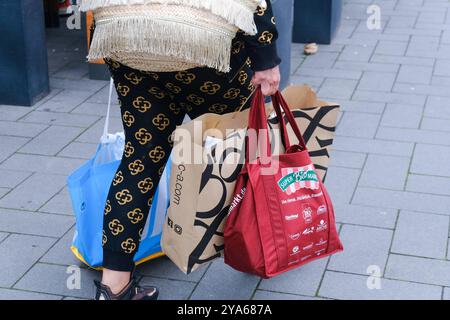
(389, 176)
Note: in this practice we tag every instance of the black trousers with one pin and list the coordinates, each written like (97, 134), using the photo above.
(152, 105)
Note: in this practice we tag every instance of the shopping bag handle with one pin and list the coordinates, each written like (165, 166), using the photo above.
(104, 137)
(258, 121)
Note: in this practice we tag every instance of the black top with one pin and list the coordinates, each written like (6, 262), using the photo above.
(260, 48)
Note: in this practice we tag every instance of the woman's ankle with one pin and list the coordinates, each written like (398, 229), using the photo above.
(116, 280)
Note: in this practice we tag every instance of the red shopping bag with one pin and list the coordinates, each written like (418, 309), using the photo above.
(281, 216)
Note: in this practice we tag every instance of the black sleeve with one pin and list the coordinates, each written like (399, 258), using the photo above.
(262, 48)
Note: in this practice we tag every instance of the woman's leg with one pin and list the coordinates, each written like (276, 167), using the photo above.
(148, 123)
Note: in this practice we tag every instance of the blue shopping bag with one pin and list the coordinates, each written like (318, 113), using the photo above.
(88, 187)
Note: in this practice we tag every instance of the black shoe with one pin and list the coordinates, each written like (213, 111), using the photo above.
(132, 291)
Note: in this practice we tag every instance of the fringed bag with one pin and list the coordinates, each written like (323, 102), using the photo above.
(169, 35)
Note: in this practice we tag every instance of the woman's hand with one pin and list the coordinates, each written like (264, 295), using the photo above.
(269, 80)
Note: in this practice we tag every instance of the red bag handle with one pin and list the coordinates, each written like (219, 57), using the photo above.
(258, 120)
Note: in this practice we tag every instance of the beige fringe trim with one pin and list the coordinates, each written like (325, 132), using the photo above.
(131, 35)
(240, 13)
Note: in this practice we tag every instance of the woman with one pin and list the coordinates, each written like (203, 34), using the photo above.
(152, 105)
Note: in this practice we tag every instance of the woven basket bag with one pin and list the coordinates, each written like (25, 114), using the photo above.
(169, 35)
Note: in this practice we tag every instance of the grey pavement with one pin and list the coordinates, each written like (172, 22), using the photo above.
(389, 175)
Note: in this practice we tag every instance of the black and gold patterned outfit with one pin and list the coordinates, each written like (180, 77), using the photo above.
(152, 105)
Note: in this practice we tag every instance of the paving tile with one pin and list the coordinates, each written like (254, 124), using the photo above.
(421, 234)
(54, 279)
(347, 159)
(3, 236)
(431, 159)
(415, 74)
(73, 70)
(52, 140)
(387, 172)
(18, 129)
(397, 60)
(59, 204)
(356, 53)
(338, 88)
(328, 72)
(446, 294)
(164, 268)
(402, 200)
(102, 95)
(170, 289)
(79, 150)
(234, 285)
(324, 60)
(34, 223)
(397, 98)
(377, 81)
(394, 116)
(12, 113)
(428, 184)
(422, 89)
(12, 294)
(19, 253)
(366, 66)
(362, 106)
(25, 196)
(356, 241)
(442, 68)
(437, 107)
(269, 295)
(302, 281)
(365, 216)
(414, 135)
(435, 124)
(10, 145)
(354, 287)
(11, 178)
(355, 124)
(42, 164)
(341, 183)
(372, 146)
(402, 22)
(85, 85)
(60, 118)
(97, 109)
(416, 269)
(93, 134)
(60, 253)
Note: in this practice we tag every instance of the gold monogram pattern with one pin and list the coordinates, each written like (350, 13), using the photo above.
(173, 88)
(141, 104)
(136, 167)
(145, 185)
(135, 216)
(123, 90)
(210, 87)
(261, 11)
(266, 37)
(174, 108)
(218, 108)
(243, 76)
(185, 77)
(104, 238)
(195, 99)
(108, 207)
(143, 136)
(237, 46)
(129, 150)
(134, 78)
(232, 93)
(128, 118)
(157, 92)
(157, 154)
(161, 121)
(123, 197)
(118, 178)
(128, 245)
(116, 227)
